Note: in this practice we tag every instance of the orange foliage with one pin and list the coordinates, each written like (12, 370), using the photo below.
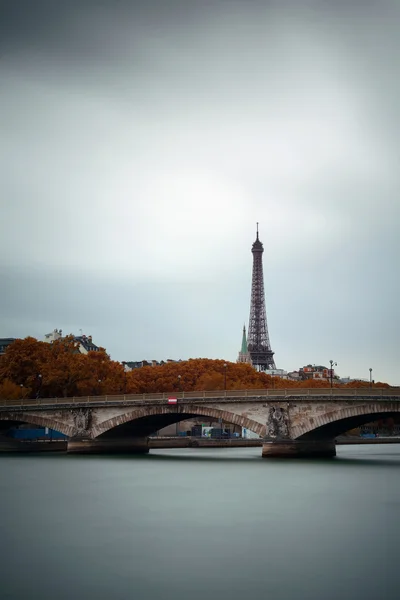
(65, 372)
(196, 374)
(315, 383)
(59, 370)
(11, 391)
(365, 384)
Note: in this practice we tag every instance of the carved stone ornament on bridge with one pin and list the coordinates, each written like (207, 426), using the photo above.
(81, 418)
(277, 426)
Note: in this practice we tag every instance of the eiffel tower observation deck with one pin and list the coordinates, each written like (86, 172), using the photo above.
(258, 344)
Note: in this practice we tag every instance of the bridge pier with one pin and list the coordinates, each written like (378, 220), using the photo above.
(134, 445)
(299, 449)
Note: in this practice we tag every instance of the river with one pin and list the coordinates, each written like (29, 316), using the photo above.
(210, 523)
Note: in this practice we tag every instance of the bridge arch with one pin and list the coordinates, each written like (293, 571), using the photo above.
(150, 419)
(22, 417)
(337, 422)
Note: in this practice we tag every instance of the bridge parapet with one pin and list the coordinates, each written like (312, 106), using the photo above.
(218, 396)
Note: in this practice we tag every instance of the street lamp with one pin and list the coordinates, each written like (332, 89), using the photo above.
(39, 380)
(333, 364)
(370, 377)
(225, 365)
(179, 387)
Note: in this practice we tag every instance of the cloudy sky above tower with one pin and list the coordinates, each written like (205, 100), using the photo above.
(140, 143)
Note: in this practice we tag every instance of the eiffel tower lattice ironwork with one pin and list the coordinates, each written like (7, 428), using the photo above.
(258, 343)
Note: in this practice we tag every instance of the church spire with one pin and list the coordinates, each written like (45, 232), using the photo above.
(244, 355)
(244, 341)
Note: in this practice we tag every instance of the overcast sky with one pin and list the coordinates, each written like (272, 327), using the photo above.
(141, 141)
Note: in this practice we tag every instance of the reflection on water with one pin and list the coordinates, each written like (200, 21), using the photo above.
(191, 523)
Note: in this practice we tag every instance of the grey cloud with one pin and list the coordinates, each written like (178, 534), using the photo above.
(142, 140)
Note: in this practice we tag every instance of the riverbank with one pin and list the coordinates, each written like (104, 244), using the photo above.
(179, 442)
(343, 440)
(36, 447)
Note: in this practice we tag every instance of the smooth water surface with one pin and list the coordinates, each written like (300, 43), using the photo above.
(210, 523)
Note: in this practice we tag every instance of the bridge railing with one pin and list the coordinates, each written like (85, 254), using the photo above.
(207, 395)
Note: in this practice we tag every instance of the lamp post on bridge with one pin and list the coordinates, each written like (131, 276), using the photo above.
(39, 385)
(333, 364)
(220, 420)
(180, 389)
(370, 377)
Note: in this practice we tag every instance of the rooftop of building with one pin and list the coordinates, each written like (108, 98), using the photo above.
(86, 342)
(136, 364)
(4, 343)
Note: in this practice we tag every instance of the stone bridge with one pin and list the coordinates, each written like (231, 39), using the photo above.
(291, 422)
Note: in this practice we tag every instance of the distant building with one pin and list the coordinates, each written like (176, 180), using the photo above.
(56, 334)
(244, 354)
(129, 365)
(277, 373)
(85, 343)
(4, 343)
(350, 380)
(295, 375)
(248, 434)
(316, 372)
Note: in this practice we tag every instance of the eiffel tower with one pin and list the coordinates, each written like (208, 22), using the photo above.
(258, 343)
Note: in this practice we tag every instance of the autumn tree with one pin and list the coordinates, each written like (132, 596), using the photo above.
(11, 391)
(59, 369)
(23, 363)
(196, 374)
(30, 368)
(102, 375)
(64, 369)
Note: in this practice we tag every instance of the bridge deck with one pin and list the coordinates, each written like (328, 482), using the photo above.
(218, 396)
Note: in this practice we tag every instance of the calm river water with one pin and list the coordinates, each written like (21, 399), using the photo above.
(211, 523)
